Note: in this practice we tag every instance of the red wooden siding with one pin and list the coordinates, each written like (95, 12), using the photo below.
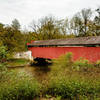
(90, 53)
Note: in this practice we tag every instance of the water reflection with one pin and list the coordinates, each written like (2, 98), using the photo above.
(38, 70)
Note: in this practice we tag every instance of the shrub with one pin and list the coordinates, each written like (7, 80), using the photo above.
(18, 87)
(3, 53)
(3, 70)
(60, 64)
(64, 60)
(82, 63)
(64, 82)
(98, 63)
(73, 89)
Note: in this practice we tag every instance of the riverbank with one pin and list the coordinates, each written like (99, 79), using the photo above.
(62, 80)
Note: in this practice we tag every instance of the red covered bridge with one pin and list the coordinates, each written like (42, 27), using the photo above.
(85, 47)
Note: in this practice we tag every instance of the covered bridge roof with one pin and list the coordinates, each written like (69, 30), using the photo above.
(79, 41)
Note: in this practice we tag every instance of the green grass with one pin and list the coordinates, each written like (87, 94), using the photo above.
(65, 79)
(17, 62)
(18, 86)
(73, 80)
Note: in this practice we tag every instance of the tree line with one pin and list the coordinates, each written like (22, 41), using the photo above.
(84, 23)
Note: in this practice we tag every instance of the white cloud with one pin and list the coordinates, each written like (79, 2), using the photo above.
(27, 10)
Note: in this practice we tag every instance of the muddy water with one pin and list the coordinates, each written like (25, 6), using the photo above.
(39, 72)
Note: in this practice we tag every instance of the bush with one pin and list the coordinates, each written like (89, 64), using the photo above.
(64, 82)
(73, 89)
(18, 87)
(82, 63)
(3, 70)
(60, 65)
(98, 63)
(64, 60)
(3, 53)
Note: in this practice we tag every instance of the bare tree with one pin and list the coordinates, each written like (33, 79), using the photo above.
(49, 28)
(76, 24)
(85, 15)
(79, 23)
(15, 24)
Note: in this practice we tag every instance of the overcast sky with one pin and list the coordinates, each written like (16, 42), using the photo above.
(27, 10)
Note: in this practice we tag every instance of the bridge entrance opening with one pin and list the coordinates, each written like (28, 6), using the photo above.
(42, 61)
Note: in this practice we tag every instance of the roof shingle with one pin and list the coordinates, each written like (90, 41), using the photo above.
(69, 41)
